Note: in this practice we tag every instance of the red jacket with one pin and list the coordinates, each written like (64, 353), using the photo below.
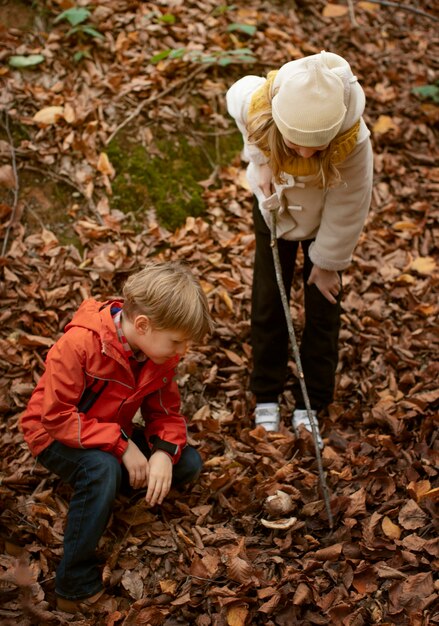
(88, 392)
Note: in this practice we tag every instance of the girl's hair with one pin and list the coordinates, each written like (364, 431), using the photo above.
(263, 132)
(171, 297)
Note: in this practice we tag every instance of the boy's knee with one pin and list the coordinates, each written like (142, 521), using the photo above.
(103, 473)
(188, 467)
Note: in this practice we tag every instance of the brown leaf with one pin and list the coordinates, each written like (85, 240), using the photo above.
(390, 529)
(133, 583)
(302, 595)
(104, 166)
(7, 177)
(357, 504)
(49, 115)
(239, 570)
(237, 615)
(334, 10)
(411, 516)
(331, 553)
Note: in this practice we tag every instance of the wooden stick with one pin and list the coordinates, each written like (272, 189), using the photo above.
(298, 361)
(404, 7)
(155, 97)
(16, 187)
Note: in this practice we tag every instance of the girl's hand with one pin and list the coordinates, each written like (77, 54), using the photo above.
(326, 281)
(137, 465)
(265, 180)
(160, 478)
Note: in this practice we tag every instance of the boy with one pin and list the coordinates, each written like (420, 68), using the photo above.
(114, 358)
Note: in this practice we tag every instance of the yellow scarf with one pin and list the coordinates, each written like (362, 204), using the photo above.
(339, 148)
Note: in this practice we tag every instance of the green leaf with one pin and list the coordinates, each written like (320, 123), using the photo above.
(167, 18)
(222, 9)
(223, 61)
(248, 29)
(81, 54)
(178, 53)
(74, 16)
(26, 61)
(92, 31)
(160, 56)
(240, 51)
(427, 91)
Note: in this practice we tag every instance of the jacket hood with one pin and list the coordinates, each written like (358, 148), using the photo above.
(354, 97)
(95, 316)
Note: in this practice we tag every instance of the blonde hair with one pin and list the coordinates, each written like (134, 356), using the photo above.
(263, 133)
(172, 298)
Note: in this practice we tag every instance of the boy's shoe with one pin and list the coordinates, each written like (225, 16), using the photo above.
(267, 414)
(78, 606)
(301, 418)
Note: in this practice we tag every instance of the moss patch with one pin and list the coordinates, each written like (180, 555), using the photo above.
(168, 181)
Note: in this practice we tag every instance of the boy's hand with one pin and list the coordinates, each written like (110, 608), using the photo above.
(160, 478)
(137, 466)
(327, 281)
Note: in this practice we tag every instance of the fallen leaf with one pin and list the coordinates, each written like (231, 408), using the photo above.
(423, 265)
(383, 125)
(391, 530)
(49, 115)
(7, 177)
(335, 10)
(237, 615)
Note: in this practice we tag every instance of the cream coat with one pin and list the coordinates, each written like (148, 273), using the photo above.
(333, 217)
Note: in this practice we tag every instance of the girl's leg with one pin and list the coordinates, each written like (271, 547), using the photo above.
(319, 344)
(269, 332)
(95, 477)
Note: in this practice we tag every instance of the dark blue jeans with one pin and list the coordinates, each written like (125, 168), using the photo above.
(95, 477)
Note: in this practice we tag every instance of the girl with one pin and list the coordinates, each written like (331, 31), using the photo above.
(310, 158)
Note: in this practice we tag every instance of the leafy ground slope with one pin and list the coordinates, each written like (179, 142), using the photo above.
(205, 558)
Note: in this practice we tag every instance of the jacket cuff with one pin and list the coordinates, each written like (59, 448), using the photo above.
(120, 448)
(334, 265)
(172, 449)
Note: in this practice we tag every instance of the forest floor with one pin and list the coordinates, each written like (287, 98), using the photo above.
(96, 140)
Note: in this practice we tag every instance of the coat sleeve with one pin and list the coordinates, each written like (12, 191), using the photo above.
(238, 100)
(64, 383)
(166, 428)
(345, 211)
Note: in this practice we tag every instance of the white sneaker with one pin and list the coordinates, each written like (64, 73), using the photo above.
(301, 418)
(267, 414)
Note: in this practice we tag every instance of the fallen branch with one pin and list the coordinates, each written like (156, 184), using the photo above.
(405, 7)
(298, 362)
(153, 98)
(66, 181)
(16, 187)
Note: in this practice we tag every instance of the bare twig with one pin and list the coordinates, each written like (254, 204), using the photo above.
(16, 187)
(66, 181)
(405, 7)
(298, 361)
(352, 13)
(155, 97)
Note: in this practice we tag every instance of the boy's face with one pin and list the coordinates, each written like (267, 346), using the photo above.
(157, 345)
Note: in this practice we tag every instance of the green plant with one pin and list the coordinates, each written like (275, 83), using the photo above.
(21, 61)
(220, 57)
(247, 29)
(427, 92)
(77, 17)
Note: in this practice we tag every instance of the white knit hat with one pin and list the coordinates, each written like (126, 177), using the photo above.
(309, 107)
